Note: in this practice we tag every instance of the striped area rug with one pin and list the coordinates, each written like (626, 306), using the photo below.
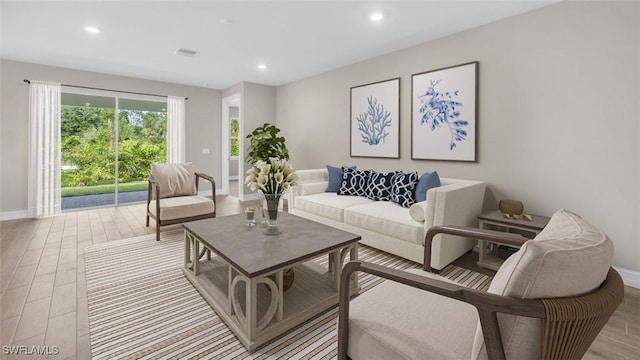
(142, 307)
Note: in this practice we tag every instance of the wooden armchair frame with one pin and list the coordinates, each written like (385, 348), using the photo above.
(569, 325)
(153, 193)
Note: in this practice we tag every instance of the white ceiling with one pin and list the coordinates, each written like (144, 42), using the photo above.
(295, 39)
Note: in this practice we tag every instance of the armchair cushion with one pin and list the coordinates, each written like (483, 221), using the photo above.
(182, 207)
(569, 257)
(393, 322)
(175, 179)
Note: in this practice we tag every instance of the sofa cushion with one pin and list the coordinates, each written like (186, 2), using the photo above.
(379, 185)
(312, 188)
(391, 321)
(328, 205)
(354, 182)
(402, 188)
(174, 179)
(386, 218)
(417, 211)
(426, 181)
(335, 177)
(569, 257)
(182, 206)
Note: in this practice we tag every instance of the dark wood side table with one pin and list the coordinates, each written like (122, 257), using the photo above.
(494, 220)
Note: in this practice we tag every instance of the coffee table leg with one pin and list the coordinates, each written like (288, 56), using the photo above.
(251, 306)
(280, 283)
(196, 260)
(335, 266)
(187, 250)
(353, 256)
(232, 310)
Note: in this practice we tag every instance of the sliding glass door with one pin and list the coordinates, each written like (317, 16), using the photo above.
(107, 161)
(142, 141)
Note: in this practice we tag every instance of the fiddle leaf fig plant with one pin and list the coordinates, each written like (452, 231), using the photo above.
(265, 143)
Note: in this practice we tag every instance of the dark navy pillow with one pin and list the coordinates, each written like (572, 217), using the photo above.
(335, 178)
(402, 188)
(427, 181)
(379, 187)
(354, 182)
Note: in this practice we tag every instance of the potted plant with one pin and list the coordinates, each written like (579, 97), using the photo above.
(265, 143)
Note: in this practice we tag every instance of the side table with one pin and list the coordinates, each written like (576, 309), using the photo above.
(494, 220)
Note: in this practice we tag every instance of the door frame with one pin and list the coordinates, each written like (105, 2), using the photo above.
(227, 102)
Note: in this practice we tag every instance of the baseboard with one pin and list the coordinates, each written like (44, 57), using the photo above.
(13, 215)
(629, 277)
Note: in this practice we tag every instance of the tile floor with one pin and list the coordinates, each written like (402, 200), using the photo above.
(44, 298)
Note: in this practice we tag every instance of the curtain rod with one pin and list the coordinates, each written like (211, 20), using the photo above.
(95, 88)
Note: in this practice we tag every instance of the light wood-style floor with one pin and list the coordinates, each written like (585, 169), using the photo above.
(44, 298)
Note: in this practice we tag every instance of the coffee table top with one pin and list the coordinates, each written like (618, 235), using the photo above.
(254, 254)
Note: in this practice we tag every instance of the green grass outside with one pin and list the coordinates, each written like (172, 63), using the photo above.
(103, 189)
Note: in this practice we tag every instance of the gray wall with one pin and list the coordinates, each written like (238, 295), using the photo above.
(258, 106)
(558, 113)
(202, 121)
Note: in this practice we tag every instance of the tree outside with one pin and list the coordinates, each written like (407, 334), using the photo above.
(88, 148)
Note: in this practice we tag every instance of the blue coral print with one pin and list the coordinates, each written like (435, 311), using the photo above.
(372, 123)
(439, 109)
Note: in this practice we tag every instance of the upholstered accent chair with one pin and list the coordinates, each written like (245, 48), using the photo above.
(173, 197)
(547, 301)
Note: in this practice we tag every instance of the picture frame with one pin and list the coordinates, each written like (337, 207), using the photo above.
(444, 113)
(375, 120)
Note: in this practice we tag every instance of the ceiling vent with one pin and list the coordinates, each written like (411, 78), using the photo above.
(186, 52)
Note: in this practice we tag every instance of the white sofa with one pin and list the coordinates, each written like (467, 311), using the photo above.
(386, 225)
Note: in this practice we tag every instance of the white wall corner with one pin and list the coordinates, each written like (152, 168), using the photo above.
(629, 277)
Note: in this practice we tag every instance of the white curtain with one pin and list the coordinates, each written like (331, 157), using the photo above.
(175, 129)
(44, 148)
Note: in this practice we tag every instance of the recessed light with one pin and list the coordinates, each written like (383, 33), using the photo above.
(262, 67)
(226, 21)
(92, 29)
(376, 16)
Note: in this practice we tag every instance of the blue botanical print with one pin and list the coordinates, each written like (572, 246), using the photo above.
(372, 123)
(440, 108)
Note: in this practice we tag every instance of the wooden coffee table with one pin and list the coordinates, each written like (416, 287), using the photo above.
(244, 283)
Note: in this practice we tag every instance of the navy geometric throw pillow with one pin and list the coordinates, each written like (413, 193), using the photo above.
(402, 188)
(354, 182)
(379, 187)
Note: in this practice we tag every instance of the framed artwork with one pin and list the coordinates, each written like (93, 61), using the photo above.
(444, 113)
(375, 119)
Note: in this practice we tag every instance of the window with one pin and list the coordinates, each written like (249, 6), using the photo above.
(234, 131)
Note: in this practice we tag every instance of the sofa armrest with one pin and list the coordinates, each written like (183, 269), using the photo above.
(310, 181)
(458, 203)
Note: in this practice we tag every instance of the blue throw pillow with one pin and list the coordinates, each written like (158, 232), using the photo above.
(379, 187)
(354, 182)
(335, 178)
(402, 188)
(427, 181)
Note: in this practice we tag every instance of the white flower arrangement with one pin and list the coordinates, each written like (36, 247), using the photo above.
(271, 177)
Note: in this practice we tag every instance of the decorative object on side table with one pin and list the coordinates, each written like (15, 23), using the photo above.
(490, 256)
(272, 179)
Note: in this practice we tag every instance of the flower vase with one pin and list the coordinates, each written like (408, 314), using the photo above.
(273, 201)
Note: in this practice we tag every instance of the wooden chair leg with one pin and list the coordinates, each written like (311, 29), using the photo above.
(147, 220)
(157, 231)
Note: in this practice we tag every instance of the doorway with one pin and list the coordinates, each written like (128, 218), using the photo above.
(232, 147)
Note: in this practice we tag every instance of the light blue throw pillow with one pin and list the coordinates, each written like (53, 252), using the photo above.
(427, 181)
(335, 178)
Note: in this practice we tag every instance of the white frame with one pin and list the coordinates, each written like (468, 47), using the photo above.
(455, 84)
(386, 93)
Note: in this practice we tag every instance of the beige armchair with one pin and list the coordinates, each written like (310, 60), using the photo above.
(173, 197)
(547, 301)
